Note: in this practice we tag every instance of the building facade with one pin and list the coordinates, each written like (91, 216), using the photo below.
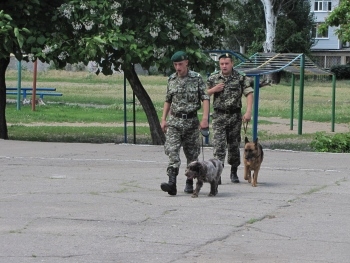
(328, 50)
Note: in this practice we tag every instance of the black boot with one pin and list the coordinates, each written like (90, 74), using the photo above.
(170, 187)
(234, 176)
(189, 186)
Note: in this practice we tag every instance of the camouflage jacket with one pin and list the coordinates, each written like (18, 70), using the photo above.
(236, 86)
(185, 94)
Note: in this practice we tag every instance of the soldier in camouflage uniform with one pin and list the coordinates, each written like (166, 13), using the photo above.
(228, 87)
(185, 91)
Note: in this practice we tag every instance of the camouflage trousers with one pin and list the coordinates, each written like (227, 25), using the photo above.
(227, 135)
(183, 133)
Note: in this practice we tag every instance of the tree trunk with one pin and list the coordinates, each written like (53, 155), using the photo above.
(276, 77)
(271, 12)
(158, 137)
(242, 49)
(4, 62)
(271, 21)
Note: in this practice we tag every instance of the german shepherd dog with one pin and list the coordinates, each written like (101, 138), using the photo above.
(252, 158)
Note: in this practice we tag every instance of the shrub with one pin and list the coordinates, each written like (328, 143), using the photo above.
(341, 71)
(338, 143)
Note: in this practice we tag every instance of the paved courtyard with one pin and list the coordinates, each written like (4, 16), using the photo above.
(68, 202)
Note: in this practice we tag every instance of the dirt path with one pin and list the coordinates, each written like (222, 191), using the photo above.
(277, 126)
(282, 126)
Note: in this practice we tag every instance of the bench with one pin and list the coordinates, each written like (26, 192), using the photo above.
(41, 92)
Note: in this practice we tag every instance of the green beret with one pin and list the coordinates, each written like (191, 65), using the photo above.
(225, 55)
(179, 56)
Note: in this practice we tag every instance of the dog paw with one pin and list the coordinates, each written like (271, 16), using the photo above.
(194, 196)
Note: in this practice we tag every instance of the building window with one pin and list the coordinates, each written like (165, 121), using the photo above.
(323, 6)
(316, 34)
(347, 60)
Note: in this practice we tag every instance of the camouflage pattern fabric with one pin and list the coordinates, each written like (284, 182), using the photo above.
(235, 86)
(182, 133)
(227, 135)
(227, 127)
(185, 95)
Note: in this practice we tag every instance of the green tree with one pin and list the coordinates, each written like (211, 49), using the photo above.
(24, 26)
(247, 31)
(120, 34)
(294, 27)
(340, 16)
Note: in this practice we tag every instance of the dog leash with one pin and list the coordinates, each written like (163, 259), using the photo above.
(205, 133)
(245, 126)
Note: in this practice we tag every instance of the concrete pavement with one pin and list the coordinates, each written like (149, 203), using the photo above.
(68, 202)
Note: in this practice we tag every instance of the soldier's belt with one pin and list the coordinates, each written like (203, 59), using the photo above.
(185, 116)
(232, 111)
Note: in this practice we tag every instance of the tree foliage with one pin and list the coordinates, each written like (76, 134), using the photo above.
(118, 35)
(247, 31)
(293, 29)
(24, 27)
(340, 16)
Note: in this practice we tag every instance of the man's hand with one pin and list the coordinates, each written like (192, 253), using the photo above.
(204, 124)
(164, 126)
(247, 116)
(219, 87)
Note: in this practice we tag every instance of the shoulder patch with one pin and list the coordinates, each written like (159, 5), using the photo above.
(193, 74)
(172, 76)
(241, 73)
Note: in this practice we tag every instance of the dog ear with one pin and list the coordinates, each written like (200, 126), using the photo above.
(199, 167)
(256, 142)
(194, 166)
(246, 140)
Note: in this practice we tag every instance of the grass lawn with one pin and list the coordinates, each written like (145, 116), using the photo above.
(98, 103)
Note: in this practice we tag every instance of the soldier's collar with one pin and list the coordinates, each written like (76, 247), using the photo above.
(187, 74)
(225, 77)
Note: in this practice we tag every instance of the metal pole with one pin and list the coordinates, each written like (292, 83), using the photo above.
(125, 125)
(206, 139)
(256, 106)
(19, 63)
(34, 83)
(134, 115)
(292, 102)
(333, 101)
(301, 95)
